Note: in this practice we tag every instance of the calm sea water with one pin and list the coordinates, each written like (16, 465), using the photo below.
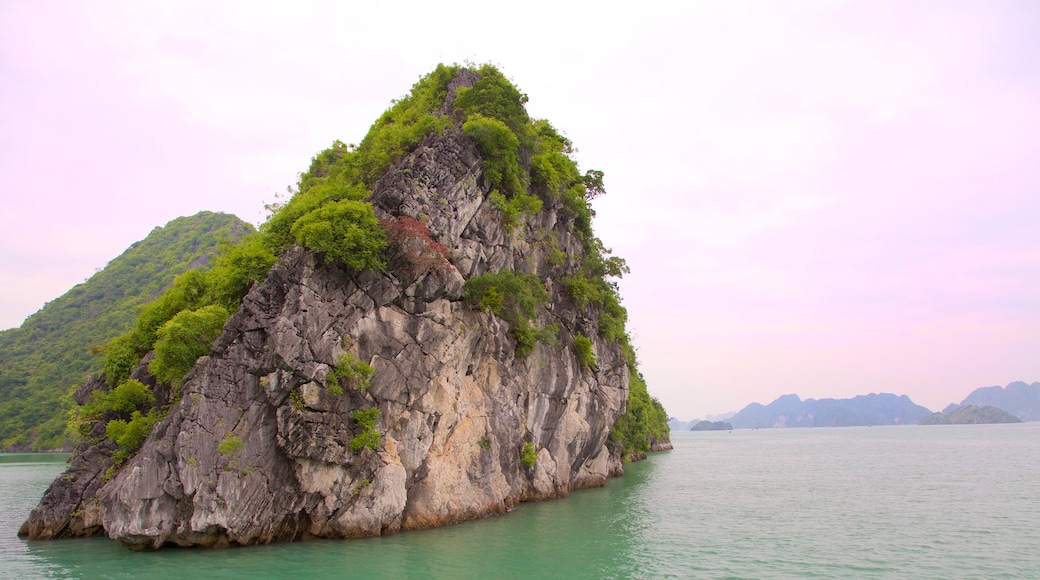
(959, 501)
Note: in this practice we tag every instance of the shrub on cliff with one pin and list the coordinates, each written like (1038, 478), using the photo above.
(183, 339)
(409, 241)
(493, 96)
(351, 369)
(498, 147)
(644, 421)
(367, 421)
(129, 435)
(528, 456)
(237, 269)
(583, 349)
(346, 231)
(513, 297)
(120, 404)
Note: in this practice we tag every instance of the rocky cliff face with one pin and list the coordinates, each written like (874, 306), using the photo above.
(258, 448)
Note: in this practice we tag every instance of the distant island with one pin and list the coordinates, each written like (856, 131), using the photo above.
(712, 426)
(678, 425)
(1019, 399)
(971, 415)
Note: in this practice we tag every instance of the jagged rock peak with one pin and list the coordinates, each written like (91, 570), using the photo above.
(346, 402)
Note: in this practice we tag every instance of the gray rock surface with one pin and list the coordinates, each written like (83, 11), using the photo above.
(456, 404)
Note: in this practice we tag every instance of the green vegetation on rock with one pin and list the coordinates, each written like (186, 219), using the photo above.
(53, 350)
(512, 297)
(583, 348)
(367, 421)
(183, 339)
(351, 369)
(490, 108)
(130, 434)
(231, 445)
(346, 231)
(528, 456)
(643, 423)
(128, 411)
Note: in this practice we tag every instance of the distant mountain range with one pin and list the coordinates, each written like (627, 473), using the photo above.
(792, 411)
(1019, 400)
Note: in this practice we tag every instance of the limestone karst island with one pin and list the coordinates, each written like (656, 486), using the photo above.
(427, 332)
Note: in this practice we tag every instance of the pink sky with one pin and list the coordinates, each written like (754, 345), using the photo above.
(821, 198)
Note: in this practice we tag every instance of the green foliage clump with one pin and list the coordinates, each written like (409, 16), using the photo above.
(551, 168)
(187, 293)
(402, 128)
(349, 368)
(346, 231)
(327, 213)
(297, 398)
(183, 339)
(512, 208)
(554, 255)
(496, 120)
(493, 96)
(498, 147)
(591, 286)
(231, 445)
(367, 421)
(127, 398)
(513, 298)
(276, 232)
(507, 294)
(121, 358)
(120, 402)
(129, 413)
(129, 435)
(394, 137)
(528, 456)
(493, 115)
(236, 270)
(583, 348)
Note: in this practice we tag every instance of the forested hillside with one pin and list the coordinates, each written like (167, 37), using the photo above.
(52, 349)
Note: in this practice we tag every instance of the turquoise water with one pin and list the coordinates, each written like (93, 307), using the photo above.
(957, 501)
